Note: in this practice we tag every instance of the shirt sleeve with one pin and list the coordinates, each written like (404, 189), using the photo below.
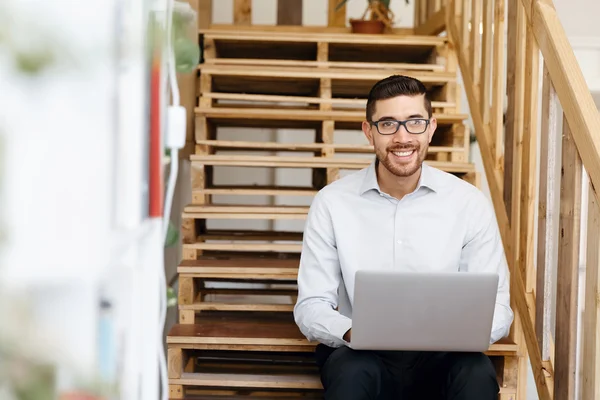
(483, 252)
(319, 277)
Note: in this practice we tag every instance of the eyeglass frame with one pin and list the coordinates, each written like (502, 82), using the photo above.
(401, 123)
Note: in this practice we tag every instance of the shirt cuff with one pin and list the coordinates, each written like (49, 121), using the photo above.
(339, 327)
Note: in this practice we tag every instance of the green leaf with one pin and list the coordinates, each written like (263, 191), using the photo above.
(171, 297)
(172, 235)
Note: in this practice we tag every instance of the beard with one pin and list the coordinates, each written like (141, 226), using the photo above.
(401, 166)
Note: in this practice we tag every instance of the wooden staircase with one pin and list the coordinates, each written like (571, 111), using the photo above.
(236, 337)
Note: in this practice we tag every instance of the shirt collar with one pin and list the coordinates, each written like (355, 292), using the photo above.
(427, 179)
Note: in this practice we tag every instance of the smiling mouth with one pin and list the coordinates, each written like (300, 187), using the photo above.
(404, 153)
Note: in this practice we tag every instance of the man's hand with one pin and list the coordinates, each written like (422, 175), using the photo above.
(348, 335)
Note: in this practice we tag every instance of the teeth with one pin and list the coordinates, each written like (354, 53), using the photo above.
(403, 153)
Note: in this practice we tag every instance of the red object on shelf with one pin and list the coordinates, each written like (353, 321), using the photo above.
(155, 176)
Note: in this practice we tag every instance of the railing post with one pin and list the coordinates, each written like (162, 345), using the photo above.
(547, 214)
(568, 268)
(591, 318)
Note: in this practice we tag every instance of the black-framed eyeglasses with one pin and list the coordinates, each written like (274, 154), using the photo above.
(391, 126)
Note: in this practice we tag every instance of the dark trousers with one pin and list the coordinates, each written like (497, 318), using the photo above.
(349, 374)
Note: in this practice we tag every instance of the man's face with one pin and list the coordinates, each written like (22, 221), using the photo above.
(402, 153)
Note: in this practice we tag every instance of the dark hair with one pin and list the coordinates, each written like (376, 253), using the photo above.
(393, 86)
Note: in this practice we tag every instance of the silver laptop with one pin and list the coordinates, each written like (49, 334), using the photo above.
(428, 311)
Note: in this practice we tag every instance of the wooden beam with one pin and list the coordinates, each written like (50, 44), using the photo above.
(486, 61)
(499, 80)
(514, 79)
(204, 13)
(242, 12)
(435, 25)
(547, 214)
(289, 12)
(336, 18)
(591, 319)
(568, 268)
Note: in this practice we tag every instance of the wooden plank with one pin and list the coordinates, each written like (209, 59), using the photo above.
(475, 42)
(299, 72)
(547, 214)
(289, 12)
(570, 84)
(242, 265)
(269, 247)
(305, 115)
(254, 191)
(514, 111)
(434, 25)
(313, 162)
(359, 103)
(239, 209)
(316, 147)
(399, 31)
(230, 306)
(325, 64)
(242, 12)
(278, 381)
(304, 37)
(498, 89)
(486, 61)
(204, 14)
(568, 268)
(335, 17)
(590, 388)
(528, 164)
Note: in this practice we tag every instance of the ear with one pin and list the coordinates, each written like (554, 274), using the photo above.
(432, 128)
(366, 128)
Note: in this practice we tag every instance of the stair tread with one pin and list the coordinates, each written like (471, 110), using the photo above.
(252, 208)
(264, 329)
(240, 329)
(274, 72)
(287, 381)
(234, 33)
(307, 115)
(306, 147)
(313, 162)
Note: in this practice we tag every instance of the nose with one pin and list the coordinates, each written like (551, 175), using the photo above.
(402, 136)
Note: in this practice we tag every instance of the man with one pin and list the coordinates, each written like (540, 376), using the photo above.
(402, 214)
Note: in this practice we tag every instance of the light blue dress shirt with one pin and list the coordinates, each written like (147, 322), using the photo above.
(446, 224)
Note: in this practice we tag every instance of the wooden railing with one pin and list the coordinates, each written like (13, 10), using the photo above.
(510, 53)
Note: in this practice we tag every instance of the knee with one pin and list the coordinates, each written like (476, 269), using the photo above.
(355, 374)
(475, 368)
(362, 369)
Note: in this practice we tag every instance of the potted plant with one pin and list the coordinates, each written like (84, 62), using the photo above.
(377, 18)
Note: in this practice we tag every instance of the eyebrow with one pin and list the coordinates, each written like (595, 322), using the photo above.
(409, 117)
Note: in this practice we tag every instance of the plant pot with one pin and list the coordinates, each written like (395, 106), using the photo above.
(367, 26)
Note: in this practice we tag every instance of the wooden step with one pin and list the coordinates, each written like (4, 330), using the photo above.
(326, 64)
(294, 118)
(354, 163)
(255, 190)
(234, 211)
(240, 267)
(234, 293)
(250, 332)
(310, 82)
(301, 73)
(303, 101)
(306, 147)
(326, 46)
